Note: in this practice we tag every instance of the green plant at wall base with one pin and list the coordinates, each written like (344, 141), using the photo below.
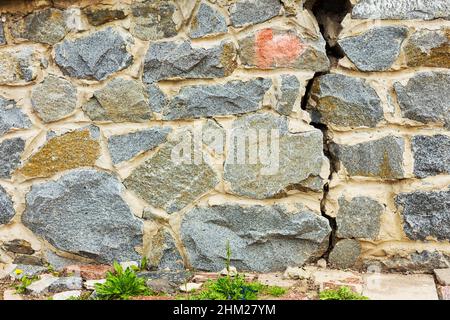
(121, 284)
(343, 293)
(273, 291)
(144, 263)
(24, 283)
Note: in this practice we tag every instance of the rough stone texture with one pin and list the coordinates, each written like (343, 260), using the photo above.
(67, 295)
(359, 218)
(57, 262)
(399, 287)
(277, 48)
(164, 254)
(41, 286)
(376, 49)
(426, 97)
(2, 34)
(207, 21)
(90, 272)
(18, 246)
(6, 207)
(177, 277)
(98, 17)
(157, 99)
(11, 117)
(344, 101)
(66, 283)
(300, 158)
(83, 212)
(94, 56)
(431, 155)
(53, 99)
(28, 260)
(345, 253)
(233, 97)
(428, 48)
(377, 158)
(262, 238)
(244, 12)
(425, 214)
(74, 149)
(27, 270)
(46, 26)
(443, 276)
(124, 147)
(288, 93)
(120, 100)
(18, 66)
(10, 153)
(188, 181)
(153, 20)
(175, 59)
(401, 9)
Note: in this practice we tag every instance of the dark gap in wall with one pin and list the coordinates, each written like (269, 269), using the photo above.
(329, 15)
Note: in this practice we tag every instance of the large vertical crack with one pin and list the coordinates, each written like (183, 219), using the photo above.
(329, 15)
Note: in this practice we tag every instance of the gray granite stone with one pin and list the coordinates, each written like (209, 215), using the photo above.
(6, 207)
(11, 117)
(288, 94)
(244, 12)
(94, 56)
(261, 238)
(10, 154)
(156, 98)
(381, 158)
(431, 155)
(84, 213)
(207, 21)
(178, 59)
(345, 254)
(344, 101)
(376, 49)
(425, 214)
(233, 97)
(164, 254)
(18, 65)
(124, 147)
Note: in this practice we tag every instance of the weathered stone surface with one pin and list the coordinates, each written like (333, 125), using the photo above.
(66, 295)
(344, 101)
(10, 153)
(71, 150)
(262, 238)
(124, 147)
(66, 283)
(11, 295)
(162, 286)
(233, 97)
(276, 48)
(207, 21)
(54, 98)
(120, 100)
(11, 117)
(444, 292)
(377, 158)
(156, 98)
(83, 212)
(90, 271)
(2, 34)
(359, 218)
(18, 246)
(175, 59)
(425, 214)
(152, 20)
(6, 207)
(28, 260)
(288, 94)
(18, 66)
(164, 254)
(334, 279)
(426, 97)
(188, 181)
(428, 48)
(94, 56)
(177, 277)
(57, 262)
(443, 276)
(27, 270)
(244, 12)
(424, 261)
(345, 254)
(399, 287)
(401, 9)
(46, 26)
(376, 49)
(98, 16)
(298, 159)
(431, 155)
(41, 286)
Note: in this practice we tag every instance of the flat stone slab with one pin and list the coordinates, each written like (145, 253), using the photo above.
(443, 276)
(66, 295)
(333, 279)
(399, 287)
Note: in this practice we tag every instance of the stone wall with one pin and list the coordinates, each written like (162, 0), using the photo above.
(96, 98)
